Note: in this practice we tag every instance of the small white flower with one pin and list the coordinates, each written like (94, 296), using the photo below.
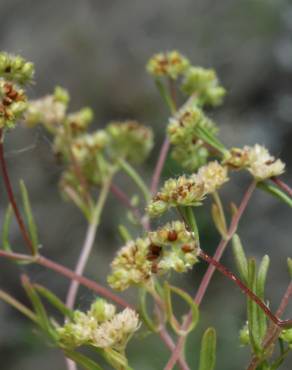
(213, 175)
(261, 164)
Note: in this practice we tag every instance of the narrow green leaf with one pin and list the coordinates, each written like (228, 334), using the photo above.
(6, 228)
(29, 217)
(252, 309)
(17, 305)
(262, 276)
(240, 258)
(36, 302)
(191, 220)
(82, 360)
(144, 312)
(289, 262)
(208, 350)
(276, 192)
(54, 300)
(165, 95)
(124, 234)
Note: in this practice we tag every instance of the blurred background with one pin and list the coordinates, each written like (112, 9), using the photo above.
(98, 50)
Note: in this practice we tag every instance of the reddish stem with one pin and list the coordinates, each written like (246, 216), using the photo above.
(209, 273)
(11, 196)
(224, 270)
(282, 185)
(62, 270)
(159, 166)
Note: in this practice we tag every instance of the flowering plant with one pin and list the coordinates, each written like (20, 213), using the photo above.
(147, 259)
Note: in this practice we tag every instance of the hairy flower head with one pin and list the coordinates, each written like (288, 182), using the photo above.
(15, 68)
(204, 83)
(262, 165)
(213, 175)
(100, 326)
(170, 64)
(49, 110)
(130, 266)
(129, 140)
(12, 103)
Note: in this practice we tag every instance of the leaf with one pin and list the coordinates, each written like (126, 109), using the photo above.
(289, 262)
(276, 192)
(188, 299)
(82, 360)
(124, 234)
(6, 228)
(262, 276)
(240, 258)
(144, 312)
(17, 305)
(54, 300)
(39, 309)
(252, 309)
(29, 216)
(219, 223)
(208, 350)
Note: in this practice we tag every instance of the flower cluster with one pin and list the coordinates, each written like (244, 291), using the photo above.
(204, 83)
(171, 247)
(170, 64)
(12, 103)
(188, 191)
(184, 134)
(257, 160)
(100, 327)
(130, 140)
(15, 68)
(49, 110)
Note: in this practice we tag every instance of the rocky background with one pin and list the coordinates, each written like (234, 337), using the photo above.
(97, 50)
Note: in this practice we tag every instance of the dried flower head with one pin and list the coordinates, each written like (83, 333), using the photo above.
(12, 104)
(170, 64)
(237, 158)
(78, 122)
(15, 68)
(262, 165)
(100, 326)
(204, 83)
(129, 140)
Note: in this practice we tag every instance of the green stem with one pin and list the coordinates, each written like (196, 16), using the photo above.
(165, 96)
(191, 219)
(89, 241)
(133, 174)
(17, 305)
(218, 202)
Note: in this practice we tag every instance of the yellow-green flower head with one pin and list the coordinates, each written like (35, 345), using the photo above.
(213, 175)
(15, 68)
(262, 165)
(100, 327)
(237, 158)
(190, 156)
(86, 146)
(183, 191)
(79, 121)
(171, 64)
(179, 247)
(116, 332)
(204, 83)
(130, 266)
(49, 110)
(129, 140)
(182, 128)
(12, 104)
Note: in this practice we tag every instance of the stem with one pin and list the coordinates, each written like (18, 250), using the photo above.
(210, 271)
(218, 202)
(243, 287)
(11, 196)
(159, 166)
(17, 305)
(133, 174)
(88, 243)
(62, 270)
(281, 184)
(273, 331)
